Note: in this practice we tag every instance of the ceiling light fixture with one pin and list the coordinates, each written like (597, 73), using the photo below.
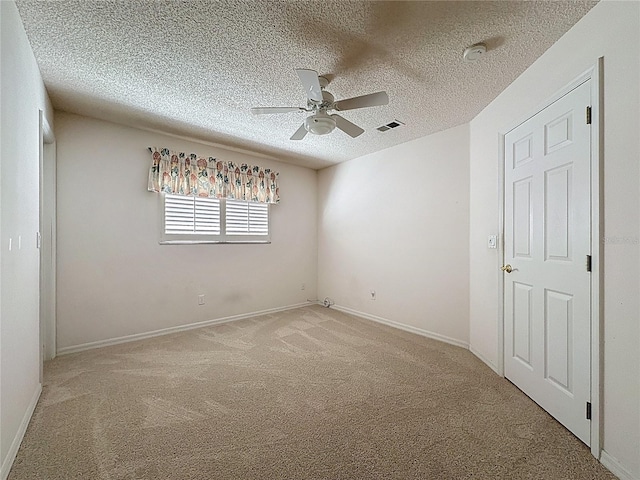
(474, 52)
(320, 123)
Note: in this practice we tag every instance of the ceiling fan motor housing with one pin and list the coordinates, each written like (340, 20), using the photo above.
(326, 104)
(319, 124)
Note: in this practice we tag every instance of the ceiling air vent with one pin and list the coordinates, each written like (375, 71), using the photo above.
(390, 125)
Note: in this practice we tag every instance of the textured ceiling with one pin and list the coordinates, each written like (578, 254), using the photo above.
(196, 68)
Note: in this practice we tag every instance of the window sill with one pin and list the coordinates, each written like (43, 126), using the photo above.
(214, 242)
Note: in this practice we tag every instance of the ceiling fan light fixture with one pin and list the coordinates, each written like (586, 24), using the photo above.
(319, 124)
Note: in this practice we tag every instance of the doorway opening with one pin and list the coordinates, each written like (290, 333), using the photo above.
(47, 243)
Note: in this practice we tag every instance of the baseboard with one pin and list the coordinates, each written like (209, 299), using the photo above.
(614, 467)
(176, 329)
(401, 326)
(484, 360)
(7, 463)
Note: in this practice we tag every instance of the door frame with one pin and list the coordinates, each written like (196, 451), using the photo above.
(47, 262)
(596, 75)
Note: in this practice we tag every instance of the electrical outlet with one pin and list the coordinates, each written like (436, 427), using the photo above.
(200, 299)
(373, 294)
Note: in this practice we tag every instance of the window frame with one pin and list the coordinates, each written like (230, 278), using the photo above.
(221, 238)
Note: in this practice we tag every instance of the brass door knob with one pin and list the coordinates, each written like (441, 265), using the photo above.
(507, 268)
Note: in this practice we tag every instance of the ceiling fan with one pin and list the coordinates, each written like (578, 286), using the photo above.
(319, 102)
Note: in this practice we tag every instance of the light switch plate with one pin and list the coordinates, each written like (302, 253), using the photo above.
(492, 241)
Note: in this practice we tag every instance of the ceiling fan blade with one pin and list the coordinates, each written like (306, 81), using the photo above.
(264, 110)
(347, 127)
(311, 84)
(300, 133)
(370, 100)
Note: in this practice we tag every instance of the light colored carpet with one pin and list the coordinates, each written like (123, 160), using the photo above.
(310, 393)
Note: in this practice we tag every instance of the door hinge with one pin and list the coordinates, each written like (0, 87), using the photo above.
(588, 115)
(588, 410)
(588, 263)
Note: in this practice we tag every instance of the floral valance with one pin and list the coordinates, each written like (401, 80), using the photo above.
(190, 174)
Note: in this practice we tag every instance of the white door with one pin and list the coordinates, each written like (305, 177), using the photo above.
(547, 228)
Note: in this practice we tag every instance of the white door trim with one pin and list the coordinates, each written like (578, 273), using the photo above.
(595, 74)
(47, 234)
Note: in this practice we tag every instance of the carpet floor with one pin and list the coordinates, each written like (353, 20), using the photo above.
(310, 393)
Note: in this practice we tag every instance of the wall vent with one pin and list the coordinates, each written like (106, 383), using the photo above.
(395, 124)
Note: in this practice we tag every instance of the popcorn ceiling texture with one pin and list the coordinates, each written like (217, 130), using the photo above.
(196, 68)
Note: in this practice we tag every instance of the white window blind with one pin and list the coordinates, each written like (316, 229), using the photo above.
(191, 215)
(190, 219)
(246, 218)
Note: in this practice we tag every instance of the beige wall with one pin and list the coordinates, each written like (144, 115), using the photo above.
(610, 29)
(23, 96)
(115, 280)
(397, 222)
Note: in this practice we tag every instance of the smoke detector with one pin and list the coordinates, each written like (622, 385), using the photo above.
(474, 52)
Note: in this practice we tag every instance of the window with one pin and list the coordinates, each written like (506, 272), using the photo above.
(246, 218)
(191, 215)
(212, 220)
